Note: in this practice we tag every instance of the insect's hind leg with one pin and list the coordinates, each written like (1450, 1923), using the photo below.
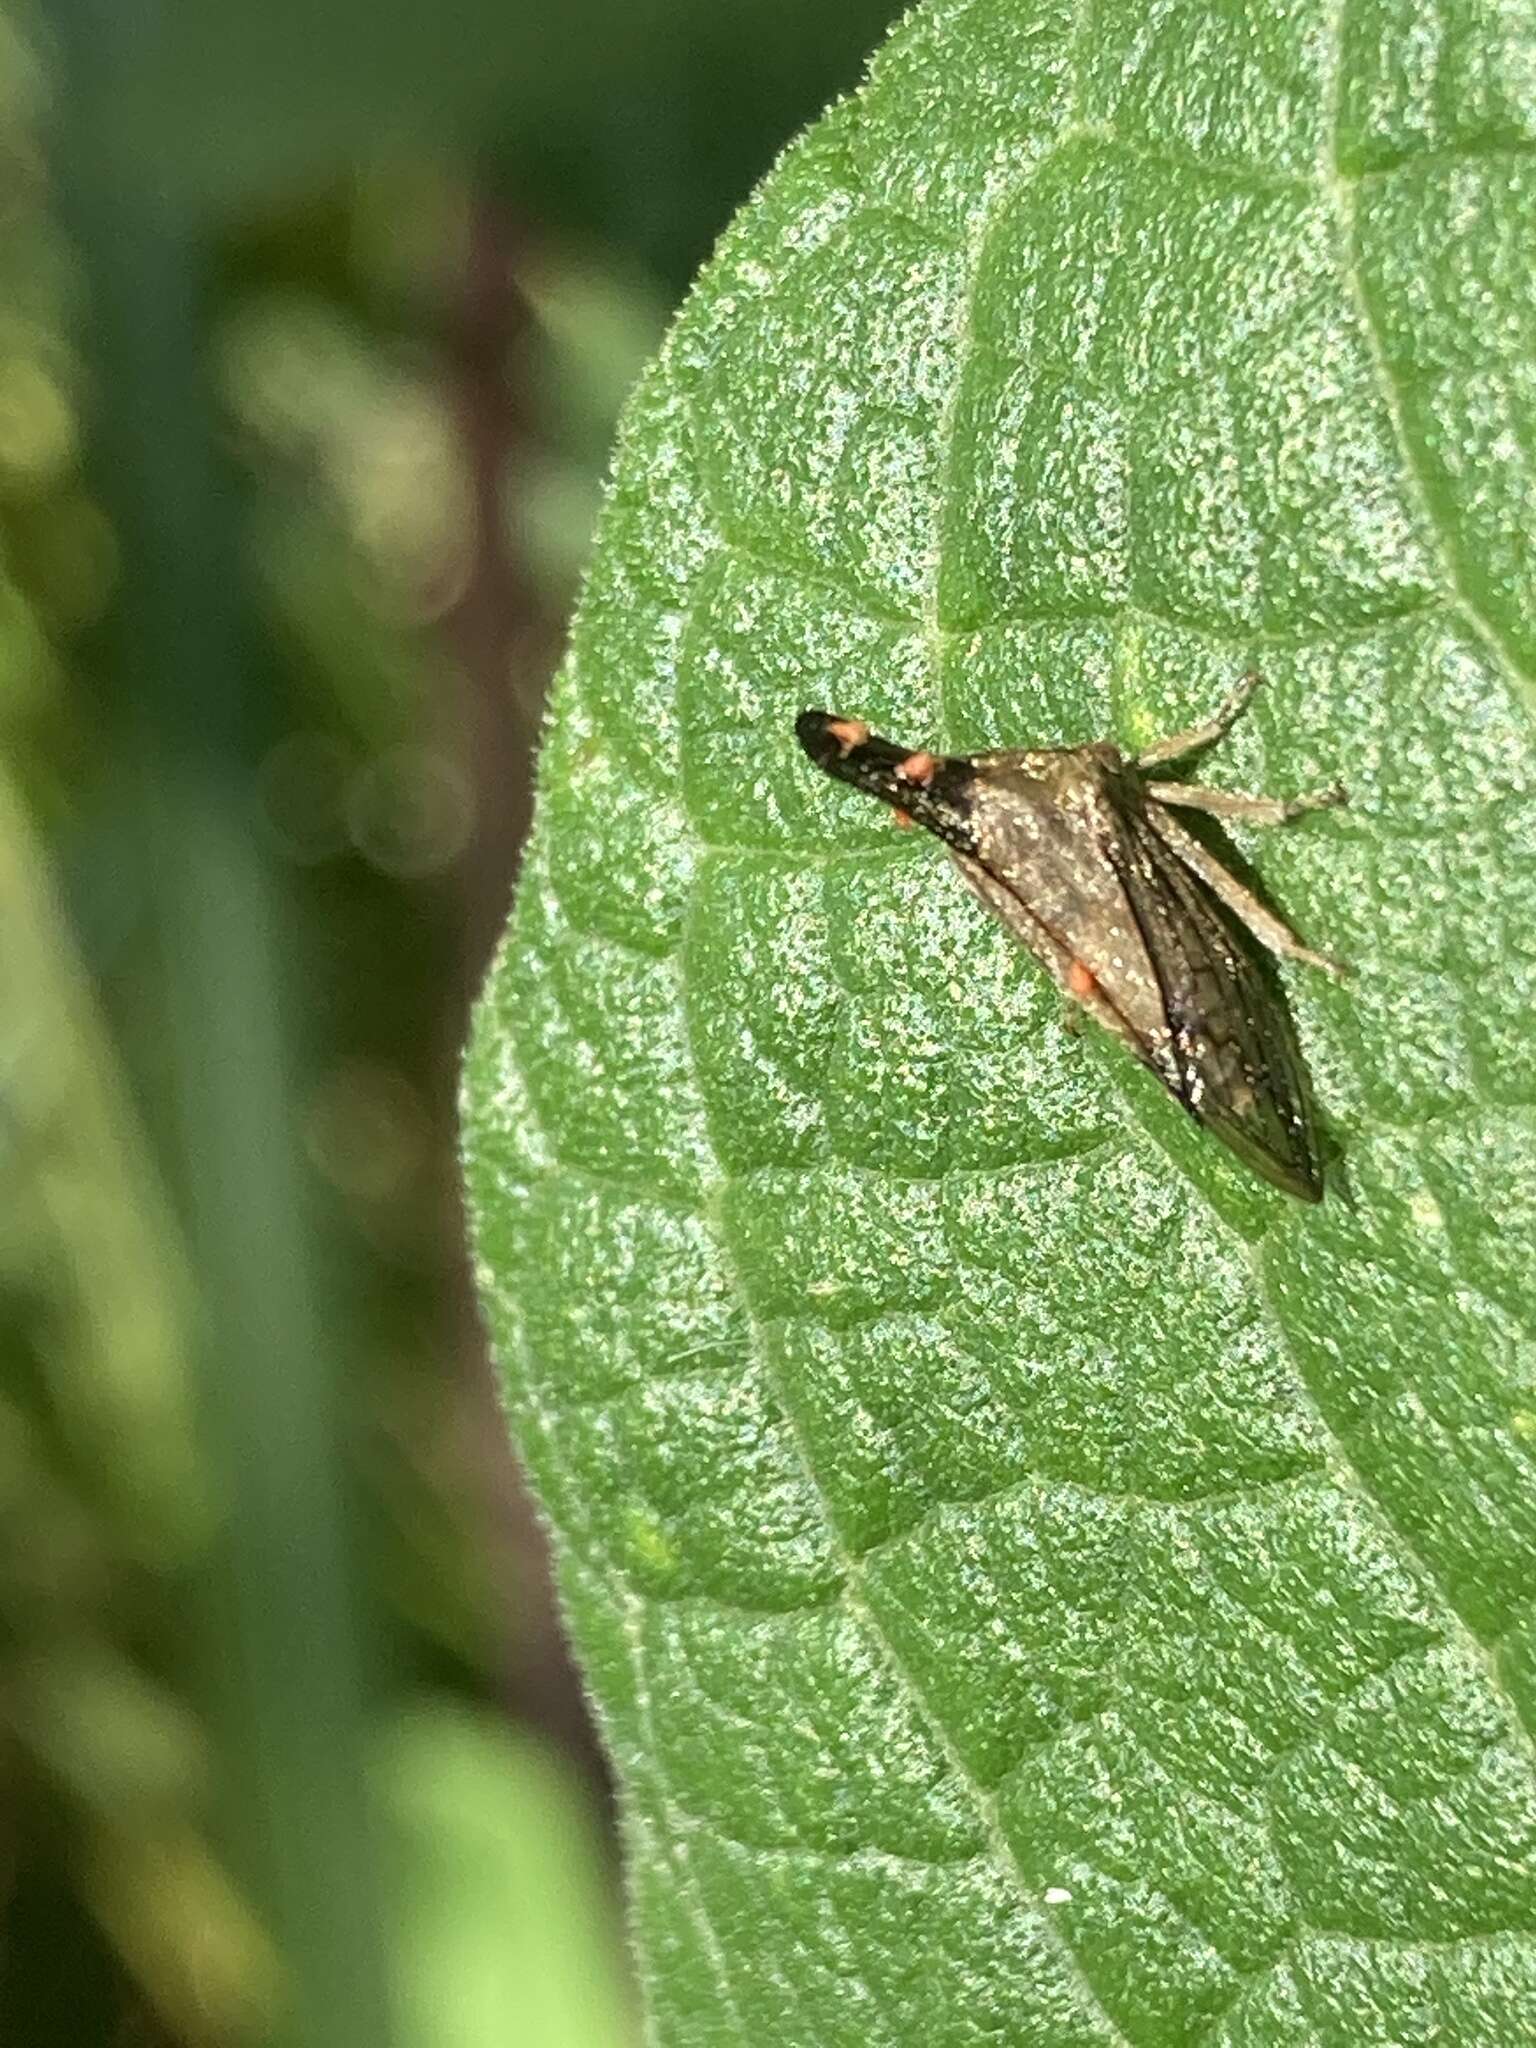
(1178, 744)
(1253, 810)
(1270, 931)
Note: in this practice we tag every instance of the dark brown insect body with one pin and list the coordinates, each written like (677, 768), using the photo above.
(1077, 851)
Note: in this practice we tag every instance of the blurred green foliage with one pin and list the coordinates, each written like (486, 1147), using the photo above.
(417, 257)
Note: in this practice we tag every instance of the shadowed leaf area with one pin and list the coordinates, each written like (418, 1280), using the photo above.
(1040, 1586)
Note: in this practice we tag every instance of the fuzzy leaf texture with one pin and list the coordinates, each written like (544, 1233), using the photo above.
(1039, 1586)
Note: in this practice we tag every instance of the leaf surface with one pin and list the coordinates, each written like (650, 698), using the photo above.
(1039, 1585)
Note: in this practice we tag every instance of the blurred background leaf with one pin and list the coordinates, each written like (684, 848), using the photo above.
(506, 1921)
(634, 117)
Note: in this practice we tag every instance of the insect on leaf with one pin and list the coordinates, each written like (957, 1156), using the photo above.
(1073, 850)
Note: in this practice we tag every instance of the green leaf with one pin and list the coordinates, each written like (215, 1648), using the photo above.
(500, 1899)
(1039, 1586)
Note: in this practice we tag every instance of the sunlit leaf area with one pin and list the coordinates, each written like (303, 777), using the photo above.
(1042, 1582)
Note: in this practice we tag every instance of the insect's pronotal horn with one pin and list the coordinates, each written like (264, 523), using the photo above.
(931, 789)
(832, 742)
(846, 748)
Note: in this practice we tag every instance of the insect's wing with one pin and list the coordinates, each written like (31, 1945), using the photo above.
(1239, 1069)
(1040, 822)
(1063, 900)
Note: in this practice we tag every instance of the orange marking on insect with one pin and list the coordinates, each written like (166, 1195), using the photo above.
(1081, 980)
(848, 732)
(919, 768)
(903, 818)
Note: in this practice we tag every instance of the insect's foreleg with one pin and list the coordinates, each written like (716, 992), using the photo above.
(1269, 930)
(1180, 743)
(1253, 810)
